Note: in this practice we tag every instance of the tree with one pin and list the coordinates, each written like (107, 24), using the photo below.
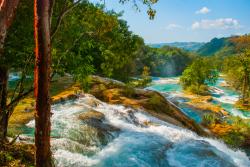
(7, 13)
(42, 14)
(237, 68)
(43, 9)
(18, 51)
(198, 75)
(164, 61)
(61, 9)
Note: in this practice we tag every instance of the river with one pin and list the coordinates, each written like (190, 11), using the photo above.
(136, 143)
(222, 96)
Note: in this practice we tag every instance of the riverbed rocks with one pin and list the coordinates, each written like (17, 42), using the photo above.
(92, 102)
(70, 93)
(91, 115)
(95, 130)
(154, 103)
(24, 111)
(203, 104)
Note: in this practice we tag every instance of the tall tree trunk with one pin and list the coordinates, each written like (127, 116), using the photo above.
(42, 9)
(7, 13)
(245, 88)
(3, 103)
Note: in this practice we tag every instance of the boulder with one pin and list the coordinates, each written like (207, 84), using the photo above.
(150, 101)
(91, 115)
(94, 129)
(92, 102)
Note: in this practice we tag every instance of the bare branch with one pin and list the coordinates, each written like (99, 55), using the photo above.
(15, 101)
(64, 11)
(68, 50)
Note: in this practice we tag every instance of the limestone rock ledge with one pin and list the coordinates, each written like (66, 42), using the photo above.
(115, 92)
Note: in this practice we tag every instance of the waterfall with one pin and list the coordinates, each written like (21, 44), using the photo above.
(123, 136)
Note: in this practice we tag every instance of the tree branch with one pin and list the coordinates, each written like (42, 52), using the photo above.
(21, 81)
(67, 51)
(64, 11)
(14, 102)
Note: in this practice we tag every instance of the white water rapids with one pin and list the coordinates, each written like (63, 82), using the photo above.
(142, 140)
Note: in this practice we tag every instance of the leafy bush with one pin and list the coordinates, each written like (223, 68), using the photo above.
(209, 119)
(201, 90)
(198, 75)
(234, 139)
(5, 158)
(237, 135)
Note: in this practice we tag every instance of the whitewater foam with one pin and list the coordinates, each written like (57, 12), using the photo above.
(143, 140)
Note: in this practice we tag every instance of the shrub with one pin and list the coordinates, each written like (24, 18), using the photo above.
(209, 119)
(129, 90)
(198, 75)
(201, 90)
(234, 139)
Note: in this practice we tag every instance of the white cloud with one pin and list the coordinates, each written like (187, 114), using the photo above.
(222, 23)
(173, 27)
(203, 10)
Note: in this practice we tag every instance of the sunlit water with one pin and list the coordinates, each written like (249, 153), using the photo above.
(223, 96)
(136, 144)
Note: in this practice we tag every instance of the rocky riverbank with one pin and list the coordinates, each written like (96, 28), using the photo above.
(115, 92)
(93, 124)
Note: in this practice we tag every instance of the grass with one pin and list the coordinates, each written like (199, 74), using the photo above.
(17, 155)
(61, 88)
(234, 131)
(23, 113)
(246, 107)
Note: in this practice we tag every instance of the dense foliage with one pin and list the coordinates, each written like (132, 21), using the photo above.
(217, 46)
(198, 75)
(165, 61)
(88, 40)
(237, 68)
(235, 131)
(232, 58)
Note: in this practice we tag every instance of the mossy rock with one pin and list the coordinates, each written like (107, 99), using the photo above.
(150, 101)
(92, 102)
(94, 130)
(91, 115)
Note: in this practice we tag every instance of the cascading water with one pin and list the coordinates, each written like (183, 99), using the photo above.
(223, 96)
(133, 137)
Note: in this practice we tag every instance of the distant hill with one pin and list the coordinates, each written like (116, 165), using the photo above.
(217, 46)
(189, 46)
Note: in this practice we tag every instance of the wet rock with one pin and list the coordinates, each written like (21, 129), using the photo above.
(95, 131)
(150, 101)
(64, 98)
(110, 83)
(224, 84)
(92, 102)
(91, 115)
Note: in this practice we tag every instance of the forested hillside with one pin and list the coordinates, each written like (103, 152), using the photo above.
(189, 46)
(218, 46)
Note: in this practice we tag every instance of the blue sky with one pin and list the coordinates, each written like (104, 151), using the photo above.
(187, 20)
